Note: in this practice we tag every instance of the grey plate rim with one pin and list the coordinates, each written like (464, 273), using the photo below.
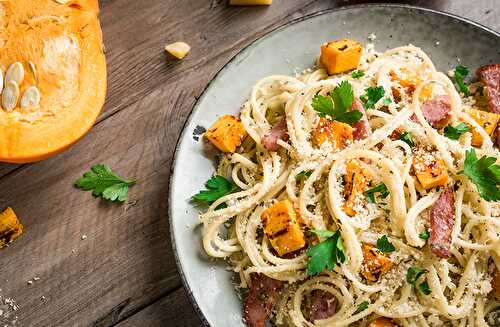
(185, 284)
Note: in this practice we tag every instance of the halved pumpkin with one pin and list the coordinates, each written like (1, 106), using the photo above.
(62, 40)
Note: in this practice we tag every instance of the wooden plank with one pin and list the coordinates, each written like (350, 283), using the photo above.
(174, 308)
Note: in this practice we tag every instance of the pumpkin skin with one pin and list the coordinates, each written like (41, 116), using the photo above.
(64, 42)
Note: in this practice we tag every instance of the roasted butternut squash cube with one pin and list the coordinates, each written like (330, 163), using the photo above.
(430, 169)
(382, 322)
(338, 134)
(282, 228)
(10, 227)
(340, 56)
(487, 120)
(227, 133)
(356, 181)
(375, 263)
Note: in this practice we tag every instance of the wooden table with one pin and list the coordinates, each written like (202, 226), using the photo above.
(103, 264)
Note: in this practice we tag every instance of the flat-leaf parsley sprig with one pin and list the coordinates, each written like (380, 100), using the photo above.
(216, 188)
(326, 254)
(337, 104)
(484, 173)
(105, 183)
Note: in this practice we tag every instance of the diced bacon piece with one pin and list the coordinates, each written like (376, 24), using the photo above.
(324, 305)
(442, 220)
(362, 128)
(278, 132)
(490, 76)
(259, 304)
(437, 111)
(495, 282)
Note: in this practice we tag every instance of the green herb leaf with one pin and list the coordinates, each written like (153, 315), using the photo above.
(358, 74)
(380, 188)
(105, 183)
(342, 96)
(337, 104)
(424, 288)
(362, 307)
(323, 233)
(387, 101)
(384, 245)
(350, 117)
(216, 187)
(323, 105)
(327, 254)
(454, 133)
(484, 173)
(406, 137)
(372, 96)
(460, 73)
(424, 235)
(303, 174)
(414, 273)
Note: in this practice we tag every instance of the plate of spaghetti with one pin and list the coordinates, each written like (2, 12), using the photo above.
(344, 170)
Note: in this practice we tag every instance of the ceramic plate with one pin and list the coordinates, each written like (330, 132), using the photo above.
(448, 39)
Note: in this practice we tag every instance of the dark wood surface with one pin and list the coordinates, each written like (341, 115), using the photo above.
(124, 272)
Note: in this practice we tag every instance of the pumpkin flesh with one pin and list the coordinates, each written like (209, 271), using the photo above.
(64, 43)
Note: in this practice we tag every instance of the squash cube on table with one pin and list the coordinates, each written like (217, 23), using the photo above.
(430, 169)
(356, 183)
(282, 228)
(487, 120)
(10, 227)
(375, 263)
(227, 133)
(340, 56)
(338, 134)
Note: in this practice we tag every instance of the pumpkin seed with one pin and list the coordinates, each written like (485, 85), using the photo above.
(10, 95)
(15, 73)
(33, 71)
(62, 2)
(1, 80)
(30, 98)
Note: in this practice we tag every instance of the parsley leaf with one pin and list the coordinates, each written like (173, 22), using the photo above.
(358, 74)
(387, 101)
(380, 188)
(303, 174)
(323, 233)
(342, 96)
(454, 133)
(424, 288)
(406, 137)
(323, 105)
(105, 183)
(337, 104)
(414, 273)
(362, 307)
(484, 173)
(372, 96)
(460, 73)
(424, 235)
(384, 245)
(217, 187)
(326, 254)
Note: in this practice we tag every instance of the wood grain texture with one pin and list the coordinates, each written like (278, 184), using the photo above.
(124, 272)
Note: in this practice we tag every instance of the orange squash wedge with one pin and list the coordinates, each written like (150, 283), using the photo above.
(59, 44)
